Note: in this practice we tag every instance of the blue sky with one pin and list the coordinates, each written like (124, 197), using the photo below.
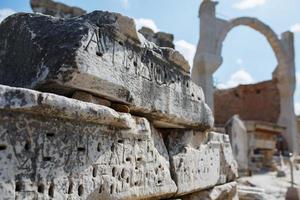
(247, 55)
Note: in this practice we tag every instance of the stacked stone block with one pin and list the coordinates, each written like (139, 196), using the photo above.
(89, 109)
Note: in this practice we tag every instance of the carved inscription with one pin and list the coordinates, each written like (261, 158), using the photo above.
(139, 62)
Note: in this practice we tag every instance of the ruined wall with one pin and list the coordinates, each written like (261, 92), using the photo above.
(123, 120)
(259, 102)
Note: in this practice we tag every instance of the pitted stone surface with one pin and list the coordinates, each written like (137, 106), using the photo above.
(200, 160)
(102, 54)
(46, 156)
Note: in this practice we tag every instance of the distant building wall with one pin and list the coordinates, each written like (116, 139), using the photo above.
(259, 102)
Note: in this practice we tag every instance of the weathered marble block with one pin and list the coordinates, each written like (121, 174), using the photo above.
(60, 148)
(101, 53)
(200, 160)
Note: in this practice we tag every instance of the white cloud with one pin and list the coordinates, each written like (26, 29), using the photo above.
(297, 108)
(247, 4)
(237, 78)
(295, 28)
(147, 23)
(188, 50)
(5, 13)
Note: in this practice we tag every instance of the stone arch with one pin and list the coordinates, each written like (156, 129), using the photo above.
(260, 27)
(208, 59)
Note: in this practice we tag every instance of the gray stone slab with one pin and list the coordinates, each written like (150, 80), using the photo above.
(101, 53)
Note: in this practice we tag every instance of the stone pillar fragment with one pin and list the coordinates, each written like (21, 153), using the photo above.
(237, 132)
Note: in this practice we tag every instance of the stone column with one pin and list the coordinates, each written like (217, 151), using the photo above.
(285, 74)
(202, 74)
(207, 59)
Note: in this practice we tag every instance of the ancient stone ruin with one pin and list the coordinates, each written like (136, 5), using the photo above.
(90, 109)
(271, 101)
(259, 118)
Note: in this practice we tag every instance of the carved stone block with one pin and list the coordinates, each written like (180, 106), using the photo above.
(55, 147)
(101, 53)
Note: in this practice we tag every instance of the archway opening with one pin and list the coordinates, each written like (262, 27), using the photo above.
(244, 84)
(245, 61)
